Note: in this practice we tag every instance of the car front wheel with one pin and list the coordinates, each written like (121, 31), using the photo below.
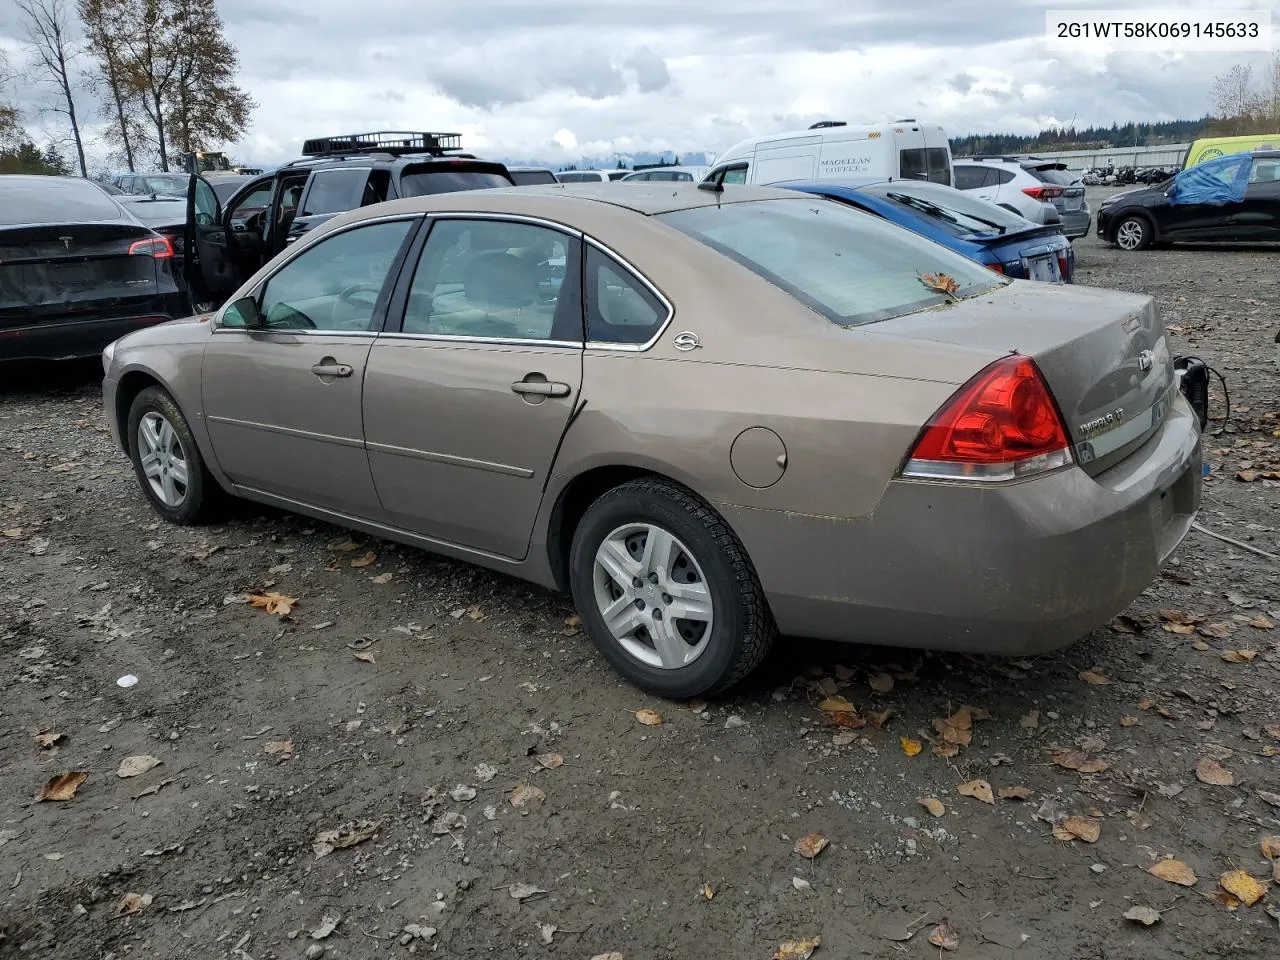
(167, 461)
(1133, 233)
(667, 592)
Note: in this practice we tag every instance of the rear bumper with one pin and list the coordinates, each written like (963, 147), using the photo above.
(1025, 568)
(83, 336)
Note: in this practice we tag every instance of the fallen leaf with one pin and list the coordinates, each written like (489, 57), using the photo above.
(837, 705)
(47, 740)
(328, 924)
(63, 786)
(1079, 761)
(707, 891)
(945, 749)
(549, 761)
(1143, 915)
(526, 795)
(343, 836)
(1127, 624)
(1210, 771)
(277, 603)
(933, 805)
(796, 949)
(940, 283)
(1146, 703)
(1239, 656)
(1262, 623)
(1094, 678)
(573, 621)
(879, 718)
(1215, 631)
(1180, 628)
(1177, 616)
(1080, 828)
(910, 747)
(648, 717)
(1242, 886)
(1270, 847)
(1226, 899)
(278, 748)
(881, 682)
(131, 903)
(13, 534)
(1200, 646)
(365, 656)
(945, 936)
(1128, 721)
(475, 613)
(343, 546)
(523, 891)
(1175, 871)
(978, 789)
(849, 721)
(136, 766)
(1015, 793)
(957, 728)
(810, 846)
(1269, 798)
(1272, 730)
(365, 560)
(382, 578)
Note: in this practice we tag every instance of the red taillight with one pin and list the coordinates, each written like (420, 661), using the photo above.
(997, 267)
(1002, 425)
(1064, 266)
(160, 247)
(1043, 193)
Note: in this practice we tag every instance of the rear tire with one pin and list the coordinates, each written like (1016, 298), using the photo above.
(167, 462)
(1134, 233)
(647, 552)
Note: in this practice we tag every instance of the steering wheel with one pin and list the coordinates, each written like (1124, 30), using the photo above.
(350, 293)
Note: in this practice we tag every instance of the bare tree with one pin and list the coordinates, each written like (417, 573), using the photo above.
(51, 41)
(10, 128)
(106, 24)
(207, 107)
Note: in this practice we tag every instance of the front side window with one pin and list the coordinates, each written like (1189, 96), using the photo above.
(254, 203)
(938, 162)
(494, 279)
(736, 174)
(333, 191)
(620, 309)
(911, 165)
(847, 266)
(206, 204)
(333, 285)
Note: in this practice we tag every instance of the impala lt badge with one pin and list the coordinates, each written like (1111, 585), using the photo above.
(1091, 428)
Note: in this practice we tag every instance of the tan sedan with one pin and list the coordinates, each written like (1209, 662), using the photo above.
(712, 416)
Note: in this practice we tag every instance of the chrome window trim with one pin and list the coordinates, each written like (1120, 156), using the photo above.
(291, 254)
(626, 265)
(495, 341)
(513, 217)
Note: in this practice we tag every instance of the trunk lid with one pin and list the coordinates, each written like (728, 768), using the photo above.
(1104, 354)
(64, 271)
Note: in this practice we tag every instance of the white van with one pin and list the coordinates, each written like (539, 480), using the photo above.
(904, 149)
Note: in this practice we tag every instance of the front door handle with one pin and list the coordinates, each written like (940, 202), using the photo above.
(541, 388)
(328, 367)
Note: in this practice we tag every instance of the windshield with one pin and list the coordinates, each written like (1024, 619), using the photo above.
(175, 185)
(1059, 178)
(849, 266)
(957, 212)
(423, 181)
(525, 178)
(159, 211)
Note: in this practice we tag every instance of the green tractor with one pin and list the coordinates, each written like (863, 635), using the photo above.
(203, 161)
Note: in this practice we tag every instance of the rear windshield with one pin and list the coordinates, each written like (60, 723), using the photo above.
(958, 213)
(421, 181)
(1059, 178)
(851, 267)
(54, 200)
(159, 211)
(527, 178)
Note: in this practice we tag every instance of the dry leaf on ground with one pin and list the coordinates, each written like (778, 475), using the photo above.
(881, 682)
(933, 805)
(63, 786)
(365, 560)
(1175, 871)
(1270, 847)
(1210, 771)
(1128, 721)
(1239, 656)
(343, 545)
(1242, 886)
(846, 720)
(1143, 915)
(1094, 678)
(837, 705)
(523, 891)
(1185, 629)
(1215, 631)
(549, 761)
(812, 845)
(1015, 793)
(279, 748)
(957, 728)
(910, 747)
(879, 718)
(346, 835)
(1146, 703)
(707, 891)
(797, 949)
(1078, 828)
(131, 903)
(978, 789)
(1272, 799)
(648, 717)
(1127, 624)
(526, 795)
(1177, 616)
(944, 936)
(136, 766)
(273, 602)
(945, 749)
(382, 578)
(1262, 623)
(365, 656)
(1079, 761)
(48, 739)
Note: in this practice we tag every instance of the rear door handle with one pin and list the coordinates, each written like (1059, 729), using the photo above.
(327, 368)
(541, 388)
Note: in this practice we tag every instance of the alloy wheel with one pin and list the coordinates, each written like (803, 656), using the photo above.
(1129, 235)
(164, 463)
(653, 596)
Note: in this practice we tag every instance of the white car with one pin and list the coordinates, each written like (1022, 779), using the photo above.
(1025, 186)
(590, 176)
(669, 174)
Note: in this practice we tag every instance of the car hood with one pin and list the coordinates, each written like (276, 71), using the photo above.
(193, 329)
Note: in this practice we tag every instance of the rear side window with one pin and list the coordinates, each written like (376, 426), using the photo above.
(54, 200)
(620, 309)
(423, 180)
(333, 191)
(573, 176)
(1060, 178)
(969, 177)
(847, 266)
(999, 176)
(526, 178)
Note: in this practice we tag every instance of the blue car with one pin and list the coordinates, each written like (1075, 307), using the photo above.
(981, 231)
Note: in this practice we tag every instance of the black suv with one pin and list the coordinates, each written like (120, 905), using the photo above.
(233, 240)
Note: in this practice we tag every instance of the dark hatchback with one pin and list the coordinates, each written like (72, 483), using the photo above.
(1001, 241)
(77, 270)
(1188, 208)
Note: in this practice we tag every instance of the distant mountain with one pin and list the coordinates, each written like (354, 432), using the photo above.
(611, 162)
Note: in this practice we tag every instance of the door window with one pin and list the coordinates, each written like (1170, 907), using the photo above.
(1265, 171)
(736, 174)
(620, 309)
(334, 191)
(206, 204)
(969, 177)
(496, 279)
(254, 204)
(911, 164)
(938, 162)
(334, 285)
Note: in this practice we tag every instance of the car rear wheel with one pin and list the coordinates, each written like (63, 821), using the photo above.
(1133, 233)
(167, 461)
(667, 592)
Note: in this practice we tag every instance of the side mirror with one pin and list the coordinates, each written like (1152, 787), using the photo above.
(244, 314)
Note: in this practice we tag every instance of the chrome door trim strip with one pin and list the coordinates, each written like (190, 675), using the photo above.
(485, 465)
(288, 431)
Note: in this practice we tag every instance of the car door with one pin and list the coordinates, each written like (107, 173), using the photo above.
(210, 265)
(1259, 217)
(283, 372)
(466, 400)
(1185, 217)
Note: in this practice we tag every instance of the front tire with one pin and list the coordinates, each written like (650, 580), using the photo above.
(666, 591)
(1134, 233)
(167, 461)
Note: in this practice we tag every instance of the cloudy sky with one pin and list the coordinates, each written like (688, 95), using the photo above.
(556, 80)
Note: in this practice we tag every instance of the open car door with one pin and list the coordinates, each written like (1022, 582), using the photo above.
(210, 267)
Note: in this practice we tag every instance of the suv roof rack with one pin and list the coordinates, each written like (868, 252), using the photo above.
(393, 142)
(824, 124)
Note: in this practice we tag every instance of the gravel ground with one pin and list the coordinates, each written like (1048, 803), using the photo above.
(427, 758)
